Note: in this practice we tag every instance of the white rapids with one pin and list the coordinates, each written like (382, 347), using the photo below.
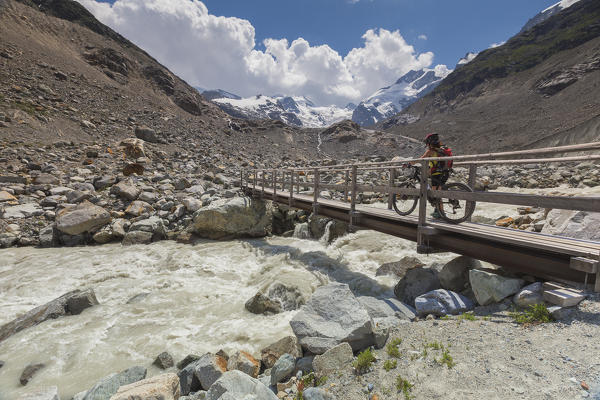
(192, 300)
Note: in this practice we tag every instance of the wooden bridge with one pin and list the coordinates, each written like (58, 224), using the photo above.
(536, 254)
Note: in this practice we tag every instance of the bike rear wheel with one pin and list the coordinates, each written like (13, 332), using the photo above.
(455, 211)
(405, 204)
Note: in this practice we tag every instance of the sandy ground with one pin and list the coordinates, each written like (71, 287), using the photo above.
(494, 358)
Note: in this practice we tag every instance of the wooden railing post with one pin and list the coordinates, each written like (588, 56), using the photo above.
(391, 185)
(274, 184)
(472, 182)
(353, 198)
(262, 192)
(291, 198)
(316, 192)
(346, 180)
(421, 246)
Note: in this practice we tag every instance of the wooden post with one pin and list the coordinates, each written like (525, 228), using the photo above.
(254, 178)
(421, 246)
(472, 176)
(391, 185)
(346, 185)
(316, 192)
(472, 181)
(262, 192)
(353, 197)
(242, 178)
(291, 199)
(274, 184)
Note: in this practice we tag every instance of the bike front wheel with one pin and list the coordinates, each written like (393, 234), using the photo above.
(453, 210)
(404, 204)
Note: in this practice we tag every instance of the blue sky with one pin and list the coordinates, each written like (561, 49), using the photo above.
(452, 28)
(331, 51)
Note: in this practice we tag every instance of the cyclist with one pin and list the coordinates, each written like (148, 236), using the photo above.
(437, 169)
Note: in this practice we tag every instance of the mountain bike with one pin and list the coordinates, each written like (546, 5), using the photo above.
(451, 210)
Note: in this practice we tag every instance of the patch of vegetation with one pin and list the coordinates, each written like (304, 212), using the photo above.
(309, 380)
(467, 316)
(390, 364)
(392, 348)
(27, 107)
(404, 386)
(535, 314)
(363, 361)
(446, 359)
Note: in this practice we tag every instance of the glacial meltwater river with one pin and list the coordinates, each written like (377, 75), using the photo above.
(192, 299)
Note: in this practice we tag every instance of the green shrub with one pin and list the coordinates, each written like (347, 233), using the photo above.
(535, 314)
(405, 387)
(447, 359)
(392, 348)
(363, 361)
(390, 364)
(468, 316)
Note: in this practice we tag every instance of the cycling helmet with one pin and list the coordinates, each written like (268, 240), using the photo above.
(432, 138)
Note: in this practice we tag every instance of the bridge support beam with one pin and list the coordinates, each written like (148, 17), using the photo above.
(422, 247)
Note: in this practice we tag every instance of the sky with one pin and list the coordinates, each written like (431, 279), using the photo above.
(331, 51)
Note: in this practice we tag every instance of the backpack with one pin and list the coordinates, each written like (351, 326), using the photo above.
(445, 165)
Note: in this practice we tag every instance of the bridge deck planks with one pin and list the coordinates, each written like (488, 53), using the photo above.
(570, 246)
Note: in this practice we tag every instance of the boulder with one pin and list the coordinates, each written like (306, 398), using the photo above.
(47, 393)
(7, 197)
(138, 207)
(530, 295)
(104, 182)
(490, 288)
(29, 372)
(270, 354)
(125, 189)
(235, 385)
(22, 211)
(399, 268)
(163, 387)
(8, 239)
(415, 282)
(333, 359)
(387, 313)
(244, 362)
(145, 231)
(283, 369)
(45, 179)
(331, 316)
(132, 148)
(209, 368)
(191, 204)
(84, 217)
(232, 218)
(314, 393)
(108, 386)
(261, 304)
(190, 358)
(13, 179)
(48, 236)
(164, 360)
(575, 224)
(442, 302)
(454, 275)
(188, 382)
(68, 303)
(146, 134)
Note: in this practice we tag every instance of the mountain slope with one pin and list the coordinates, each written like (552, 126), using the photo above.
(392, 99)
(540, 83)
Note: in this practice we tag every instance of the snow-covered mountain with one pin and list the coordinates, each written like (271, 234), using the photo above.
(219, 94)
(298, 111)
(392, 99)
(547, 13)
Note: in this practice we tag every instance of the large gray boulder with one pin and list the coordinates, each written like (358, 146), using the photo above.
(289, 344)
(334, 359)
(108, 386)
(146, 134)
(491, 288)
(575, 224)
(332, 315)
(235, 385)
(70, 303)
(126, 189)
(163, 387)
(442, 302)
(387, 313)
(233, 218)
(530, 295)
(415, 282)
(400, 267)
(243, 361)
(82, 218)
(22, 211)
(145, 231)
(454, 275)
(209, 368)
(314, 393)
(283, 368)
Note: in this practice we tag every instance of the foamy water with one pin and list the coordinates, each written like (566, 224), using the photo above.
(192, 298)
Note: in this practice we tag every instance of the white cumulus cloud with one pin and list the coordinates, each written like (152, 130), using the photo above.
(220, 52)
(423, 37)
